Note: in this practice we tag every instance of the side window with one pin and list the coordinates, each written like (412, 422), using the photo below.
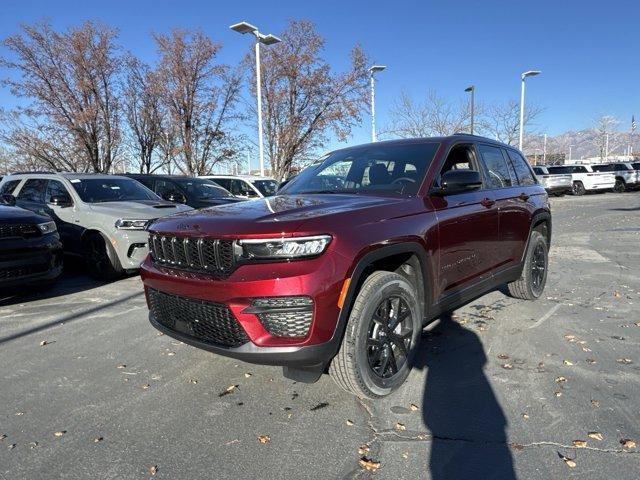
(164, 187)
(9, 186)
(523, 171)
(147, 182)
(33, 190)
(54, 187)
(223, 182)
(579, 170)
(498, 174)
(245, 189)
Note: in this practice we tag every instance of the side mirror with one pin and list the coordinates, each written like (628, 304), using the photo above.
(61, 201)
(458, 181)
(8, 199)
(175, 197)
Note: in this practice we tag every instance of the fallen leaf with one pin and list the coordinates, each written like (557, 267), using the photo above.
(624, 361)
(363, 449)
(567, 362)
(595, 435)
(525, 416)
(59, 433)
(369, 465)
(617, 294)
(2, 437)
(591, 361)
(503, 356)
(231, 442)
(557, 393)
(11, 447)
(349, 423)
(413, 407)
(405, 455)
(560, 379)
(98, 439)
(121, 366)
(569, 462)
(507, 366)
(43, 343)
(145, 386)
(264, 439)
(628, 444)
(517, 446)
(228, 390)
(319, 406)
(171, 354)
(19, 414)
(193, 380)
(153, 470)
(400, 427)
(247, 375)
(570, 338)
(585, 349)
(580, 443)
(33, 445)
(637, 324)
(595, 403)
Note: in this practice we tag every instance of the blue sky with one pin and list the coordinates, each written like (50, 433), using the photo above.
(587, 50)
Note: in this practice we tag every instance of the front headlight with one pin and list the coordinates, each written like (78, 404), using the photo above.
(283, 248)
(47, 227)
(130, 224)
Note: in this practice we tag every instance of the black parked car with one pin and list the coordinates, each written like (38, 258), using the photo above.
(195, 192)
(30, 248)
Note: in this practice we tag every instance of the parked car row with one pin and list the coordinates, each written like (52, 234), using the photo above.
(581, 179)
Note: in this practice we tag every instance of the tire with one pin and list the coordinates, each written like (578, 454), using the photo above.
(620, 186)
(578, 188)
(101, 259)
(360, 367)
(531, 283)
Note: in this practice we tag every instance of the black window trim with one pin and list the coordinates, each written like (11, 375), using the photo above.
(506, 161)
(527, 164)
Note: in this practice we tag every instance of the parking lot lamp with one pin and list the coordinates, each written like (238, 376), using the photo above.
(472, 90)
(244, 27)
(374, 69)
(529, 73)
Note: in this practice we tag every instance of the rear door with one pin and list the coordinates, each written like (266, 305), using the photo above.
(31, 195)
(502, 180)
(65, 217)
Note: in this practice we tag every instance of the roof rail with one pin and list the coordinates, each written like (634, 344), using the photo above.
(32, 172)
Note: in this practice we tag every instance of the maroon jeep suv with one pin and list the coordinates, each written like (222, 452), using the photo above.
(341, 270)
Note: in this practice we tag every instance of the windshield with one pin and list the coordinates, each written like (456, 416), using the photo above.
(202, 189)
(636, 166)
(372, 169)
(99, 190)
(266, 187)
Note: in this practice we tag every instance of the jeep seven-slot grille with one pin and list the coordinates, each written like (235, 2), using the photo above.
(209, 322)
(8, 231)
(203, 255)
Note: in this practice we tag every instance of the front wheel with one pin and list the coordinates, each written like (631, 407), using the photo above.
(578, 188)
(102, 260)
(380, 338)
(531, 283)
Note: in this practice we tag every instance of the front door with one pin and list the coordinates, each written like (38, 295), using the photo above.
(468, 229)
(65, 217)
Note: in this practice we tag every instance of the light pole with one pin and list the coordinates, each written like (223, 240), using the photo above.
(544, 152)
(529, 73)
(373, 70)
(570, 148)
(244, 27)
(472, 90)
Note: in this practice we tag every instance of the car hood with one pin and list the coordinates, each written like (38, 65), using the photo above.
(282, 214)
(9, 214)
(141, 209)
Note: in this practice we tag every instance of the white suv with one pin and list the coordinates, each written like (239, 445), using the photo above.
(627, 177)
(585, 179)
(246, 186)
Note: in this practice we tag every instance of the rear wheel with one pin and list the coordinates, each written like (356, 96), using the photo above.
(578, 188)
(620, 186)
(531, 283)
(381, 335)
(102, 260)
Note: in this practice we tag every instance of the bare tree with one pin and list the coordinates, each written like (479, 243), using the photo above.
(606, 138)
(434, 116)
(70, 80)
(502, 121)
(200, 96)
(303, 99)
(143, 112)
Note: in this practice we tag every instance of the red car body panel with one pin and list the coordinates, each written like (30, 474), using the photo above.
(465, 240)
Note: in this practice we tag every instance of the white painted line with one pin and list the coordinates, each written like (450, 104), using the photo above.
(546, 316)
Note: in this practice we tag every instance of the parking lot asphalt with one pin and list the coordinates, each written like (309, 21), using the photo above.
(88, 389)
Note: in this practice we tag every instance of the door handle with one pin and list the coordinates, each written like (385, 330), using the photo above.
(487, 202)
(523, 196)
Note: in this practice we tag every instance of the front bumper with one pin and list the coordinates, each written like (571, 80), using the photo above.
(30, 261)
(131, 246)
(558, 188)
(320, 279)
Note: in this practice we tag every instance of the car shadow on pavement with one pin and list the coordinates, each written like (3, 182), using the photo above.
(460, 408)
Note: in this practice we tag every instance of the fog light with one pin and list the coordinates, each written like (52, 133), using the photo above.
(289, 317)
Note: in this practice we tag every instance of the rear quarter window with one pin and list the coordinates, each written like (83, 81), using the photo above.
(9, 187)
(522, 168)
